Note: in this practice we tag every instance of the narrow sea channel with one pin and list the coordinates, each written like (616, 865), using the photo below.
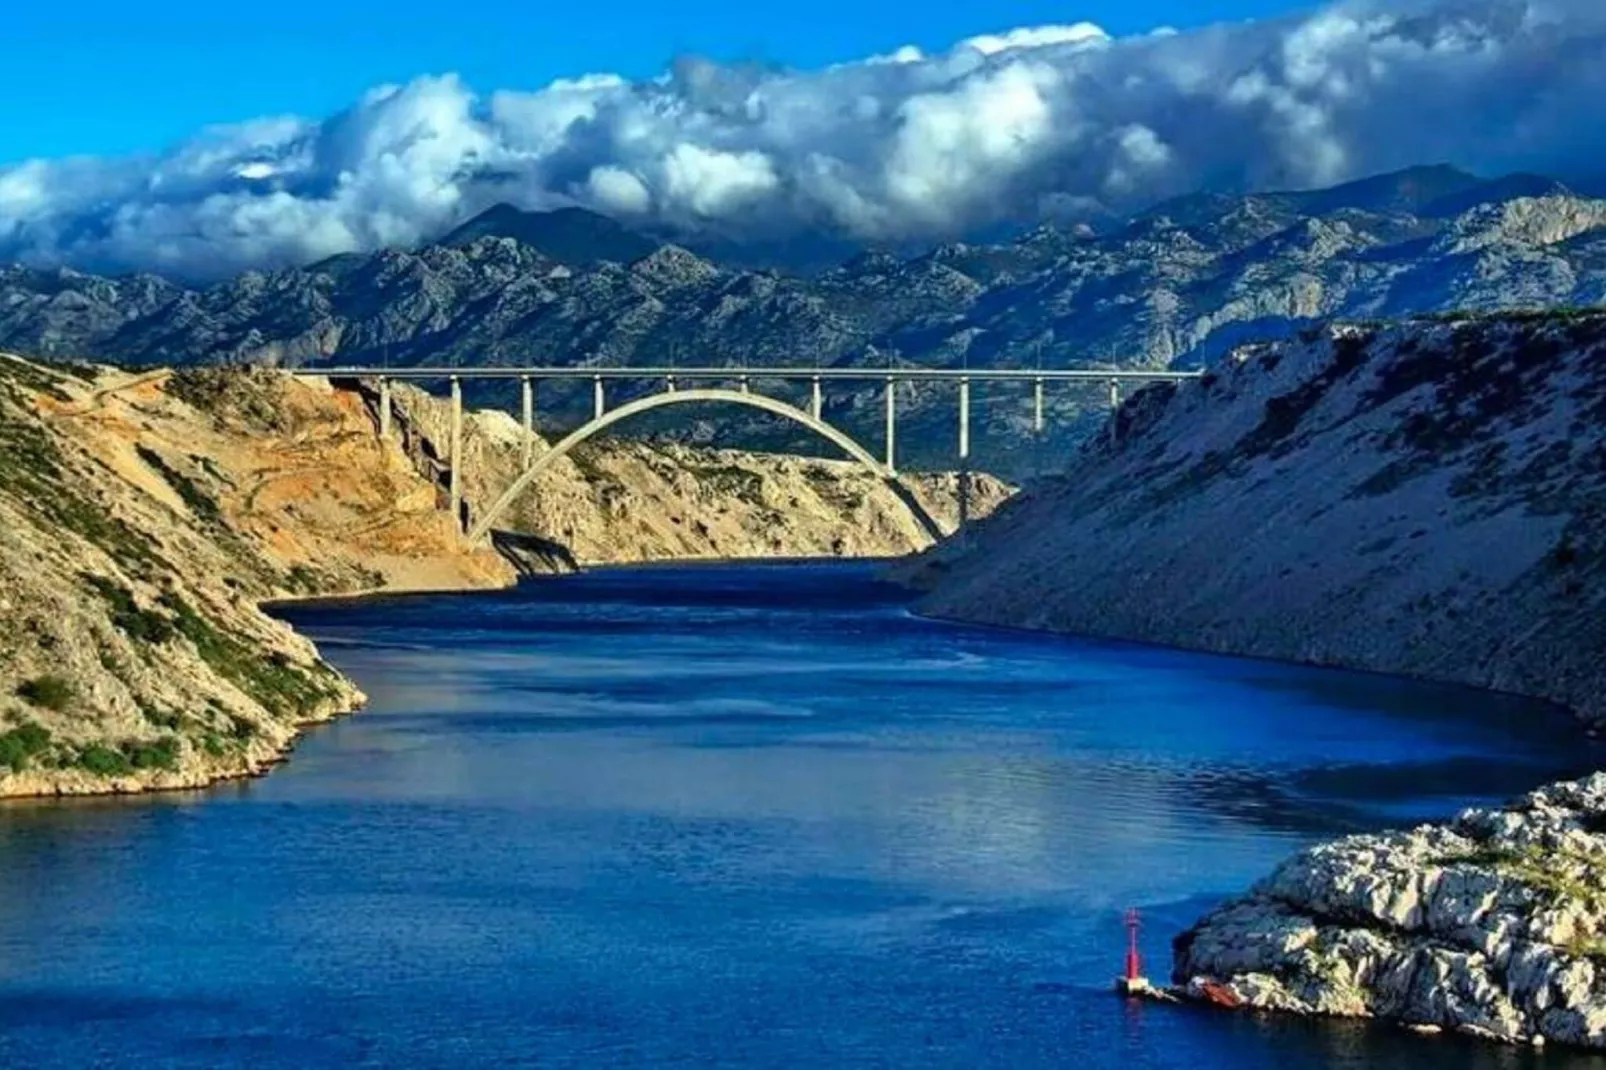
(729, 816)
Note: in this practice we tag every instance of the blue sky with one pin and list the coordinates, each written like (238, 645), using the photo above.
(112, 77)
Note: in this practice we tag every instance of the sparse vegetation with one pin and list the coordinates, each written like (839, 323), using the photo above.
(1553, 873)
(163, 754)
(35, 474)
(199, 502)
(48, 692)
(140, 625)
(730, 480)
(22, 745)
(103, 761)
(271, 679)
(245, 395)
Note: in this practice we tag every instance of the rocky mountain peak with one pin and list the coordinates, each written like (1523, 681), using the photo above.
(672, 267)
(1526, 221)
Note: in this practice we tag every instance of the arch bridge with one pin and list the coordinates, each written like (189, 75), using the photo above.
(671, 392)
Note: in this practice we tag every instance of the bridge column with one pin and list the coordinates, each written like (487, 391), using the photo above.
(892, 425)
(599, 404)
(1115, 406)
(1037, 406)
(817, 400)
(964, 420)
(527, 398)
(457, 450)
(384, 408)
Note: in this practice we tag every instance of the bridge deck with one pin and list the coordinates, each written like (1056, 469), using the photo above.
(1016, 375)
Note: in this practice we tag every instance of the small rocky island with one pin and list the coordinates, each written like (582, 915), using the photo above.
(1493, 925)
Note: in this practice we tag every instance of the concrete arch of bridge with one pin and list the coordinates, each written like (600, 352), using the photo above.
(482, 527)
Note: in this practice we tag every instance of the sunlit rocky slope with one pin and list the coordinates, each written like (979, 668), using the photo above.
(1426, 498)
(143, 517)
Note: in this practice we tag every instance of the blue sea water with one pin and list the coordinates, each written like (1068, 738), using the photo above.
(729, 816)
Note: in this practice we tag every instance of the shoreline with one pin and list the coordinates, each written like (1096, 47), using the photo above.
(1590, 729)
(166, 782)
(126, 786)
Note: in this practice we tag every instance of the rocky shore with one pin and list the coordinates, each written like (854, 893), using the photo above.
(145, 518)
(1493, 925)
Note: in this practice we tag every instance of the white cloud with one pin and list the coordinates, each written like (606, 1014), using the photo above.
(1036, 37)
(615, 190)
(1057, 120)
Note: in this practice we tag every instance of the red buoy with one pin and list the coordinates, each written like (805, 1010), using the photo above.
(1134, 963)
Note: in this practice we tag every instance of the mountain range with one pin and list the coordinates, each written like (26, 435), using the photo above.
(1174, 286)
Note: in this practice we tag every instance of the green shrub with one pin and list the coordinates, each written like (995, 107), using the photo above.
(102, 760)
(271, 679)
(163, 754)
(140, 625)
(21, 745)
(48, 692)
(162, 718)
(202, 504)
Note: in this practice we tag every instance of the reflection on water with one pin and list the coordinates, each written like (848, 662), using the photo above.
(734, 816)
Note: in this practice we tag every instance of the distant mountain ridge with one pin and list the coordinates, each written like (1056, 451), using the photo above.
(1176, 285)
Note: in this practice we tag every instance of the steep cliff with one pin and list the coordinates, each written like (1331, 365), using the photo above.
(1426, 498)
(143, 519)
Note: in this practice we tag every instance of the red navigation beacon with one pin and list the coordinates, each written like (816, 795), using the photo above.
(1134, 962)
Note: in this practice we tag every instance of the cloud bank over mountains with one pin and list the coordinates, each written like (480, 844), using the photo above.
(1038, 122)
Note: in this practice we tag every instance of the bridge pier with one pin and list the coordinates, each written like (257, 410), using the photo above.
(457, 451)
(892, 426)
(964, 422)
(964, 452)
(527, 400)
(1037, 406)
(384, 409)
(745, 385)
(817, 400)
(669, 384)
(599, 403)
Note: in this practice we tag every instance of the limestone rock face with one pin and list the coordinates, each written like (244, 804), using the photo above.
(1492, 925)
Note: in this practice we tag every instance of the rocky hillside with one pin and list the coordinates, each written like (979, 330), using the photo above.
(1427, 498)
(1182, 283)
(1494, 925)
(143, 518)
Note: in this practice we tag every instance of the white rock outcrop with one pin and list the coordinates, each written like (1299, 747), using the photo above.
(1493, 925)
